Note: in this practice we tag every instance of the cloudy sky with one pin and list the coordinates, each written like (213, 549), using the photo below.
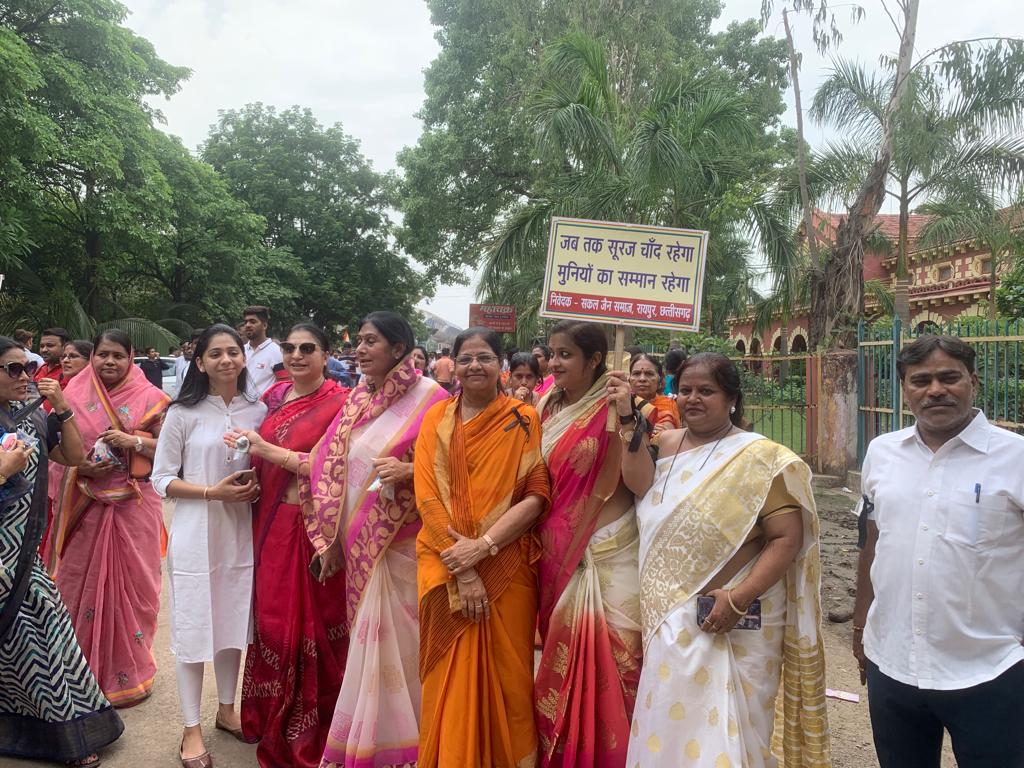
(361, 63)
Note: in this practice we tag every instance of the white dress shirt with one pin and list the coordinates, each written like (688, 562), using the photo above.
(260, 363)
(181, 365)
(948, 572)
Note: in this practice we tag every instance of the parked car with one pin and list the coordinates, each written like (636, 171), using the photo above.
(170, 383)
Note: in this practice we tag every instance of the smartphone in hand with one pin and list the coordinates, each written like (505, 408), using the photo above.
(245, 476)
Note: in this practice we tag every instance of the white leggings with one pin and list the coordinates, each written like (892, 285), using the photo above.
(190, 682)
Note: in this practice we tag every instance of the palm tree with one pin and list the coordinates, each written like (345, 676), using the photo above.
(943, 135)
(677, 160)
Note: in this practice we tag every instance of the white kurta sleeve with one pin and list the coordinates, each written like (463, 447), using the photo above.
(170, 449)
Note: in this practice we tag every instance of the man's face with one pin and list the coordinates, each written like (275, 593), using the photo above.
(152, 354)
(254, 327)
(940, 392)
(50, 349)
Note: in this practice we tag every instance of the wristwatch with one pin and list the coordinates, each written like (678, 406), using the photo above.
(631, 418)
(65, 416)
(491, 546)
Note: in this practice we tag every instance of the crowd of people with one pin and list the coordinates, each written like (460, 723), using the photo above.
(387, 535)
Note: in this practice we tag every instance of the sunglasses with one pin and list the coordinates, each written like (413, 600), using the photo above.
(14, 370)
(306, 348)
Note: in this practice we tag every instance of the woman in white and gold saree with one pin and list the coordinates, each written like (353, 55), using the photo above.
(726, 514)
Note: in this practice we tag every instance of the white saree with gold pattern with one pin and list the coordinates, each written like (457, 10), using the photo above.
(712, 700)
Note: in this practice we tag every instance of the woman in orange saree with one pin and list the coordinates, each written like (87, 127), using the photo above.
(480, 485)
(646, 378)
(105, 543)
(589, 581)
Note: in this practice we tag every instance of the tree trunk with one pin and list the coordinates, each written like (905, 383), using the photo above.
(801, 150)
(901, 297)
(837, 296)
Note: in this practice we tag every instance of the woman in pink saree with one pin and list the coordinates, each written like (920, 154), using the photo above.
(589, 580)
(105, 541)
(357, 500)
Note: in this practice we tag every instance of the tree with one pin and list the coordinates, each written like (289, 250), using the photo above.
(680, 160)
(947, 144)
(323, 203)
(475, 162)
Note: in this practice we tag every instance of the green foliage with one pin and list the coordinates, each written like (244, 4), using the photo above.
(105, 219)
(1010, 294)
(483, 161)
(687, 155)
(323, 203)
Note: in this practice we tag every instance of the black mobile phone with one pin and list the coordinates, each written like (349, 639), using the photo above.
(316, 567)
(750, 620)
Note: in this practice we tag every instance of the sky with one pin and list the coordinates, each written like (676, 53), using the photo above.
(362, 63)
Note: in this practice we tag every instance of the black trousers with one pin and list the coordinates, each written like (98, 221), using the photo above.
(985, 723)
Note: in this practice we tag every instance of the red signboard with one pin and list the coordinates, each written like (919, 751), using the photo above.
(497, 317)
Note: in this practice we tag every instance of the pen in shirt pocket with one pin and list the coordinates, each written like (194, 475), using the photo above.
(977, 493)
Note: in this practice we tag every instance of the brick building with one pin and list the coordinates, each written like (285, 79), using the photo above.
(945, 282)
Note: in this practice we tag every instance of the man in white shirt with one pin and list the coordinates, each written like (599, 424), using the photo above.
(939, 616)
(261, 353)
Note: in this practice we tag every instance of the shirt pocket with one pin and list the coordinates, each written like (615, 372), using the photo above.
(976, 520)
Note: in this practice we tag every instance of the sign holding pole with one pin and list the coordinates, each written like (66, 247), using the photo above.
(625, 274)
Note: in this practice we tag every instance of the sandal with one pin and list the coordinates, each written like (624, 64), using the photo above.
(90, 761)
(236, 732)
(204, 760)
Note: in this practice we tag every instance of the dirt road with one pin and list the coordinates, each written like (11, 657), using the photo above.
(152, 729)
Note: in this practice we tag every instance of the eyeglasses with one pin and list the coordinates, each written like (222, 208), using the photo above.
(484, 359)
(71, 356)
(306, 347)
(14, 370)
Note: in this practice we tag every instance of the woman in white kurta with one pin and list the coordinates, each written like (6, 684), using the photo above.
(210, 549)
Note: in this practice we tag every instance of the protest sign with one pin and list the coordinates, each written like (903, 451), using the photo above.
(497, 317)
(626, 274)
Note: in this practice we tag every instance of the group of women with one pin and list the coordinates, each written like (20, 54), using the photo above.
(391, 553)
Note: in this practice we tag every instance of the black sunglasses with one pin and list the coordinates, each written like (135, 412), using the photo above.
(306, 347)
(14, 370)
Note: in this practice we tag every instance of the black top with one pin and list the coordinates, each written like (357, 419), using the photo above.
(154, 370)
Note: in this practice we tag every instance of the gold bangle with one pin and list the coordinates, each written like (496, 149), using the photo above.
(287, 458)
(737, 611)
(627, 436)
(206, 491)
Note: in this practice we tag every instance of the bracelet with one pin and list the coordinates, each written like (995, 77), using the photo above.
(138, 444)
(627, 435)
(287, 458)
(65, 416)
(857, 629)
(737, 611)
(206, 491)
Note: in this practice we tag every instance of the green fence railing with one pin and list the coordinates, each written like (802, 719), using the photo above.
(999, 345)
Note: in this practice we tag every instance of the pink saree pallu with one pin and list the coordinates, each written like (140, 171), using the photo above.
(589, 605)
(376, 719)
(105, 541)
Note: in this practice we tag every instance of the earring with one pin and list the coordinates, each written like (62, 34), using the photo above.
(733, 409)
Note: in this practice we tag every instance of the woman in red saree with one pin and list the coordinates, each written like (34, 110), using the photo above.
(589, 580)
(287, 696)
(359, 511)
(480, 485)
(105, 541)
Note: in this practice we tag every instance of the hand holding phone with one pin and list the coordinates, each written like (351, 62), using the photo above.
(245, 476)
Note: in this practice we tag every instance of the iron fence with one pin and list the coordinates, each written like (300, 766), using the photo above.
(997, 343)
